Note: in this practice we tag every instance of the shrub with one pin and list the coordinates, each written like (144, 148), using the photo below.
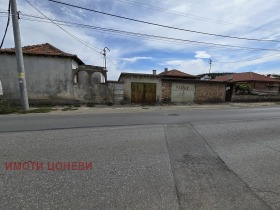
(243, 89)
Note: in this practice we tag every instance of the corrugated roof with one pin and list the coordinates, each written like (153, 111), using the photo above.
(246, 76)
(42, 49)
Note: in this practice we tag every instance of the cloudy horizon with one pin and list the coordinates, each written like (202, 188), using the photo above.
(238, 18)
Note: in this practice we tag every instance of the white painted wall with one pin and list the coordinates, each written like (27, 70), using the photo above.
(47, 77)
(181, 92)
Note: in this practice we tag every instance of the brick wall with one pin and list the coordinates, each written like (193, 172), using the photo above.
(210, 92)
(166, 91)
(260, 86)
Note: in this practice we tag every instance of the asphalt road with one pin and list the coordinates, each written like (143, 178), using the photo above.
(152, 159)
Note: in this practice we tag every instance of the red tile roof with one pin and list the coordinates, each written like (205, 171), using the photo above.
(42, 49)
(175, 73)
(246, 76)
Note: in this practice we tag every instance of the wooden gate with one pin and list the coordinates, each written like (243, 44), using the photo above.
(143, 92)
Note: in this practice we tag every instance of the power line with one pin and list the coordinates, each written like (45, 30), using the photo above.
(160, 25)
(135, 34)
(189, 15)
(70, 34)
(73, 36)
(8, 22)
(148, 36)
(275, 54)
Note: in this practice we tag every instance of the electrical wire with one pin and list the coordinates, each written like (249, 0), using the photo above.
(160, 25)
(7, 26)
(190, 15)
(275, 54)
(133, 34)
(70, 34)
(146, 36)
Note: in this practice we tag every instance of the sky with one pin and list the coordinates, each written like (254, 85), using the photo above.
(258, 19)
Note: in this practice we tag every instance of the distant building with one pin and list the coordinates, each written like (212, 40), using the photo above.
(257, 82)
(176, 74)
(170, 86)
(205, 77)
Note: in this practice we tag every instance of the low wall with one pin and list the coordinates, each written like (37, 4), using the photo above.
(255, 98)
(96, 94)
(205, 92)
(116, 89)
(210, 92)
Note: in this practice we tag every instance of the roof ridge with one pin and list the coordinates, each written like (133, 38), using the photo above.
(42, 49)
(50, 45)
(251, 77)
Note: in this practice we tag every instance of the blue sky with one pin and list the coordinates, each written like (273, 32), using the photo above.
(256, 19)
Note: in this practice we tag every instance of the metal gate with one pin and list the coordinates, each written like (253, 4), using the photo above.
(143, 92)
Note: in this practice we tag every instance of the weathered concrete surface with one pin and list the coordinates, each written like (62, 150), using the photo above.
(131, 170)
(46, 77)
(182, 92)
(221, 159)
(203, 180)
(252, 150)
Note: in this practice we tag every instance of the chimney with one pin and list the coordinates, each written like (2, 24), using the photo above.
(154, 72)
(165, 70)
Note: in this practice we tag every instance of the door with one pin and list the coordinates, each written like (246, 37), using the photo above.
(229, 90)
(143, 93)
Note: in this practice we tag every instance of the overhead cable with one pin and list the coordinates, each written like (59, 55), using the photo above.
(161, 25)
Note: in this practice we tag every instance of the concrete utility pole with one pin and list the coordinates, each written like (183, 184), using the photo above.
(19, 56)
(104, 54)
(210, 63)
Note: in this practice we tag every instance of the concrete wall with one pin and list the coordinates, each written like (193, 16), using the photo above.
(127, 80)
(210, 92)
(182, 92)
(95, 94)
(51, 79)
(116, 88)
(202, 92)
(46, 77)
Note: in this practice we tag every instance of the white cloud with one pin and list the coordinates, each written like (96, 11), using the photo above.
(135, 59)
(202, 54)
(233, 18)
(194, 67)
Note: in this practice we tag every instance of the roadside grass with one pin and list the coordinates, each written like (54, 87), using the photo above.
(6, 108)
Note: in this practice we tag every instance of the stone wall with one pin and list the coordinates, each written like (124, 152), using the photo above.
(255, 98)
(210, 92)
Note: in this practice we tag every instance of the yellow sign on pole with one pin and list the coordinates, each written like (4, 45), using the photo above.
(21, 75)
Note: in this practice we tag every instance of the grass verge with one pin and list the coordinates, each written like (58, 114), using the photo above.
(6, 108)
